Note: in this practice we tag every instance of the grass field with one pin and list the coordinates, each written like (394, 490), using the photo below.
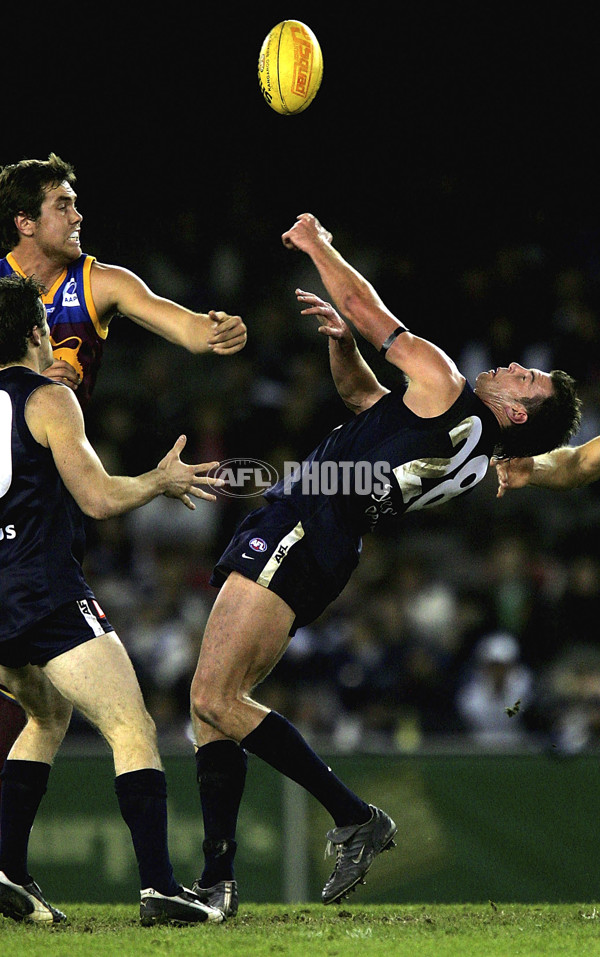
(263, 930)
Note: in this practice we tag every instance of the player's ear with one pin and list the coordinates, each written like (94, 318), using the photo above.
(36, 335)
(516, 413)
(24, 224)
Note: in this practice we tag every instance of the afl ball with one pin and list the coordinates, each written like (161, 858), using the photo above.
(290, 67)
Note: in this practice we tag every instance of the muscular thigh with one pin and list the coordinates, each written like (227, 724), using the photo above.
(32, 688)
(247, 632)
(98, 679)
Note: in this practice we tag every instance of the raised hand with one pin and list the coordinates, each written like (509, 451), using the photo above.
(185, 480)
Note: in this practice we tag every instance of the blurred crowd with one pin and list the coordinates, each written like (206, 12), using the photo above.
(476, 621)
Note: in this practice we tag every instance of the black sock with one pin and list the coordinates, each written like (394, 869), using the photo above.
(221, 775)
(278, 743)
(24, 784)
(142, 797)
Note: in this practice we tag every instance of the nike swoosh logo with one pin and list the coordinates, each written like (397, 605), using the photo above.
(357, 860)
(251, 557)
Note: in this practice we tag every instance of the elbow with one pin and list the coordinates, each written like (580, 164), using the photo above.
(359, 402)
(351, 404)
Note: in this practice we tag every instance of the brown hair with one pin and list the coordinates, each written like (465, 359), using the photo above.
(20, 310)
(551, 421)
(23, 188)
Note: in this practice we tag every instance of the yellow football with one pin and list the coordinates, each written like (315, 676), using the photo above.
(290, 67)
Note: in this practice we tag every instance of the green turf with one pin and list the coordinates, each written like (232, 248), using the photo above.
(263, 930)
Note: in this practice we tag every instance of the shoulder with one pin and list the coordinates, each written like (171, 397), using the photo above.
(50, 403)
(39, 406)
(585, 457)
(104, 277)
(111, 286)
(110, 273)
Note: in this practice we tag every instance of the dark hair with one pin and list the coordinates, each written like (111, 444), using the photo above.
(20, 310)
(551, 421)
(22, 190)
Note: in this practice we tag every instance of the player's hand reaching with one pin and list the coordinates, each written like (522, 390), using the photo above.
(63, 371)
(184, 480)
(305, 233)
(229, 333)
(512, 473)
(331, 323)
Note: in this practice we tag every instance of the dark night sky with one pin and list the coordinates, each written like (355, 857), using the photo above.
(473, 119)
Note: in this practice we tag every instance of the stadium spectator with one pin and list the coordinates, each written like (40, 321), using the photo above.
(495, 692)
(565, 708)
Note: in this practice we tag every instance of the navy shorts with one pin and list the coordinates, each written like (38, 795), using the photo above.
(66, 627)
(270, 547)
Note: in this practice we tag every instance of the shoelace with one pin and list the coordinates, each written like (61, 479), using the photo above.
(331, 848)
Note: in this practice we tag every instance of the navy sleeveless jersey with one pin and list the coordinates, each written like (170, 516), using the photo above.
(383, 463)
(42, 533)
(75, 329)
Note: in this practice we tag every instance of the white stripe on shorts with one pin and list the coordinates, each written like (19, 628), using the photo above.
(279, 553)
(91, 619)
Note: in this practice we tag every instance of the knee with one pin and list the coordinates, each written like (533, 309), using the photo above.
(141, 729)
(134, 743)
(146, 729)
(53, 724)
(207, 706)
(148, 739)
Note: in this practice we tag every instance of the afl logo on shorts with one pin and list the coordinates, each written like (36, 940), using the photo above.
(258, 544)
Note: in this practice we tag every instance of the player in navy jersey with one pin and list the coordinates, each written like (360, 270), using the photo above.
(414, 447)
(40, 225)
(57, 648)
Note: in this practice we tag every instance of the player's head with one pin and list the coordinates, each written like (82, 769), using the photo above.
(542, 410)
(21, 310)
(23, 188)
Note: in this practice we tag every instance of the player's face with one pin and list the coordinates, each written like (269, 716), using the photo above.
(57, 229)
(514, 382)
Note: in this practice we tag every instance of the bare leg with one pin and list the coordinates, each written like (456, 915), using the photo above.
(25, 778)
(233, 659)
(246, 635)
(48, 714)
(12, 722)
(98, 678)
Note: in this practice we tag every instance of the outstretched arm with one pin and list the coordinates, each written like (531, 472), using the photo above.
(55, 420)
(352, 294)
(434, 381)
(355, 381)
(115, 289)
(564, 468)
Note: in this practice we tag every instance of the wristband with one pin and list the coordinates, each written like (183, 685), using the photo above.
(390, 339)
